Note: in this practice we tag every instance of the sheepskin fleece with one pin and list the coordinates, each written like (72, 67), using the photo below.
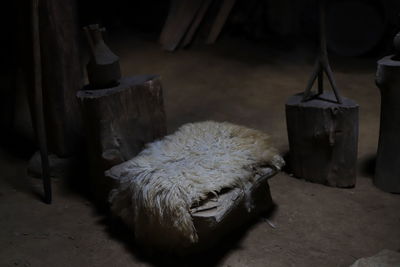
(172, 174)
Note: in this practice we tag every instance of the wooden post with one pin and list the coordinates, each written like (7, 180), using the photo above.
(323, 127)
(62, 74)
(118, 122)
(387, 172)
(38, 102)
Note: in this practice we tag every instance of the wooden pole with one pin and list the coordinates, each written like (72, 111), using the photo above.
(322, 64)
(387, 172)
(38, 102)
(62, 74)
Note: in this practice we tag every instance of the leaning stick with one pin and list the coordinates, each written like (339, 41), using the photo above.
(38, 102)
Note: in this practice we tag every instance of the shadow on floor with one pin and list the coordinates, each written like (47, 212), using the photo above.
(211, 256)
(16, 148)
(367, 166)
(286, 156)
(120, 232)
(17, 145)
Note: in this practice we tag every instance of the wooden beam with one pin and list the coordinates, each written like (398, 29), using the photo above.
(220, 20)
(62, 73)
(180, 17)
(196, 23)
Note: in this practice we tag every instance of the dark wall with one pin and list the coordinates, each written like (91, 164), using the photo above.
(141, 15)
(8, 42)
(355, 27)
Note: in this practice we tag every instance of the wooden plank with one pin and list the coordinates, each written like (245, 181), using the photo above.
(181, 16)
(38, 102)
(196, 23)
(220, 20)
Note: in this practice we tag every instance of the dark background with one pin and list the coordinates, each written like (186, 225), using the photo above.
(356, 28)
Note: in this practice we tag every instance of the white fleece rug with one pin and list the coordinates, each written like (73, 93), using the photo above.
(159, 186)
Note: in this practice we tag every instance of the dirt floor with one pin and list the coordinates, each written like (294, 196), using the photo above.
(241, 82)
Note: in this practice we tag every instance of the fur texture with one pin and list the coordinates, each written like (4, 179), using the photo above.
(158, 187)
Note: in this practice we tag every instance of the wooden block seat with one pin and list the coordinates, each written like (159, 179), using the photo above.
(196, 185)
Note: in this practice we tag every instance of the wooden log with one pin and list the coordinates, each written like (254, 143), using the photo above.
(323, 138)
(118, 122)
(387, 172)
(62, 74)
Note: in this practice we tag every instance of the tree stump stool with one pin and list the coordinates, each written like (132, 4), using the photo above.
(323, 139)
(118, 122)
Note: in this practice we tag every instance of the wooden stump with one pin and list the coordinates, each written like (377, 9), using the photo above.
(323, 138)
(387, 173)
(118, 122)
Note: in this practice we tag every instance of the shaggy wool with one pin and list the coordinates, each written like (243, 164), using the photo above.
(172, 174)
